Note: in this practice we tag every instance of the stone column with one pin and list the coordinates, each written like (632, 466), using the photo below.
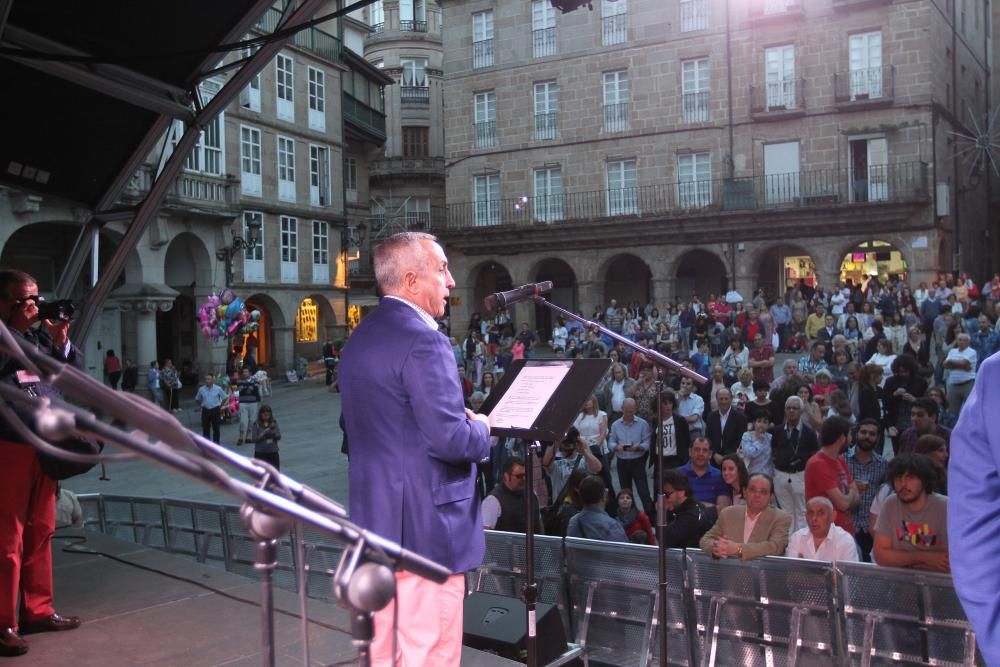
(461, 312)
(283, 341)
(144, 315)
(663, 291)
(588, 297)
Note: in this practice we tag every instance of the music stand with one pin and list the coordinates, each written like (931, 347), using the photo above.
(539, 400)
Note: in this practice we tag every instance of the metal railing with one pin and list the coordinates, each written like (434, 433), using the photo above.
(778, 611)
(694, 106)
(614, 29)
(414, 94)
(189, 187)
(694, 15)
(859, 85)
(361, 114)
(485, 132)
(546, 125)
(376, 28)
(616, 117)
(482, 53)
(822, 188)
(406, 25)
(778, 96)
(319, 42)
(544, 42)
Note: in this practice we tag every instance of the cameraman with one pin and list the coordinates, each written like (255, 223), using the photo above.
(27, 494)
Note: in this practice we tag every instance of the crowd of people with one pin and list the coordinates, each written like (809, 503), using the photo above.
(840, 454)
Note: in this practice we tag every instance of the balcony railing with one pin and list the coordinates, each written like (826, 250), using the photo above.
(363, 115)
(412, 26)
(376, 28)
(694, 15)
(864, 85)
(694, 106)
(485, 132)
(824, 188)
(321, 43)
(189, 188)
(482, 53)
(848, 5)
(614, 29)
(616, 117)
(414, 94)
(778, 96)
(396, 164)
(544, 42)
(546, 125)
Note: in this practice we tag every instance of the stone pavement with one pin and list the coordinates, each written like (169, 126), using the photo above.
(310, 450)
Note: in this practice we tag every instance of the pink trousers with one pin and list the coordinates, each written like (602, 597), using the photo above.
(429, 624)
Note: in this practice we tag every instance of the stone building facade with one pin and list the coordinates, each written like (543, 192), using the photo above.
(650, 148)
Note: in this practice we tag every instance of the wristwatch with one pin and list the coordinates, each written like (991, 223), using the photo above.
(739, 550)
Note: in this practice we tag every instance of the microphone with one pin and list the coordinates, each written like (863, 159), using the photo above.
(522, 293)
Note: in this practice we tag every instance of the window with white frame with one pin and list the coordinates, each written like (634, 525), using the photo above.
(250, 96)
(617, 107)
(317, 100)
(694, 180)
(623, 188)
(253, 258)
(548, 194)
(546, 110)
(207, 156)
(376, 15)
(485, 119)
(319, 175)
(614, 22)
(418, 212)
(482, 39)
(779, 67)
(284, 80)
(412, 16)
(289, 249)
(694, 15)
(695, 92)
(486, 196)
(321, 252)
(865, 60)
(286, 169)
(413, 84)
(543, 29)
(351, 180)
(250, 183)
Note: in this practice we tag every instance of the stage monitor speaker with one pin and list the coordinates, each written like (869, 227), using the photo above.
(498, 624)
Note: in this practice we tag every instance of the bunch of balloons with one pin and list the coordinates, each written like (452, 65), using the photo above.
(224, 315)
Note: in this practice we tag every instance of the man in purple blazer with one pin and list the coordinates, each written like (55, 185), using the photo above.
(414, 448)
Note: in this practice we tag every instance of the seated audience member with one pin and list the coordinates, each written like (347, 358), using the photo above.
(912, 526)
(706, 480)
(592, 522)
(923, 421)
(827, 474)
(503, 508)
(736, 476)
(687, 519)
(821, 539)
(936, 449)
(752, 530)
(636, 524)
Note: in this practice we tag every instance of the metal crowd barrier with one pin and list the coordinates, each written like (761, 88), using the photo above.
(770, 612)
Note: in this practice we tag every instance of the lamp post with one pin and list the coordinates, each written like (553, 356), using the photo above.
(225, 254)
(351, 239)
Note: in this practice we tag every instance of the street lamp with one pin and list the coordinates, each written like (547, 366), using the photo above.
(351, 239)
(225, 254)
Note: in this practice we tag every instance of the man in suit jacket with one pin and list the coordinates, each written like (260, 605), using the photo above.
(725, 427)
(414, 447)
(752, 530)
(792, 444)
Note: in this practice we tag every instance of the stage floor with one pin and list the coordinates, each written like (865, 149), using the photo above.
(145, 607)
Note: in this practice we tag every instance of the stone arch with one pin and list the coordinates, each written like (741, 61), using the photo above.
(627, 278)
(777, 264)
(314, 321)
(486, 278)
(700, 271)
(886, 256)
(563, 292)
(271, 317)
(187, 267)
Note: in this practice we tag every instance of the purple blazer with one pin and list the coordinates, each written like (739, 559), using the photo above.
(413, 452)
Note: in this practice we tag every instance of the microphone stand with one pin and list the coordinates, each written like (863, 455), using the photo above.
(662, 362)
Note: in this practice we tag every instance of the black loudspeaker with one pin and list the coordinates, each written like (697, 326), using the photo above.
(498, 624)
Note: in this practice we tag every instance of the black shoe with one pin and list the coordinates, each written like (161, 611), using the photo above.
(53, 623)
(11, 643)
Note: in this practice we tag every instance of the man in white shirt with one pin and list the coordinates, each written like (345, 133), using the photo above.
(821, 539)
(961, 363)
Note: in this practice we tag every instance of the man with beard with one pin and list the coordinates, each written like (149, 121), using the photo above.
(923, 421)
(827, 473)
(503, 508)
(868, 470)
(912, 527)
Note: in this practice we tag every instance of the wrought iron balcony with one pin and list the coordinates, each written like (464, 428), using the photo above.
(818, 189)
(482, 53)
(694, 107)
(544, 42)
(614, 29)
(319, 42)
(546, 125)
(414, 94)
(616, 117)
(376, 28)
(406, 166)
(864, 87)
(412, 26)
(485, 133)
(778, 99)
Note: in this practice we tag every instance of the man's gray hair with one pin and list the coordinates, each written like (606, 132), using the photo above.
(398, 254)
(794, 399)
(821, 500)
